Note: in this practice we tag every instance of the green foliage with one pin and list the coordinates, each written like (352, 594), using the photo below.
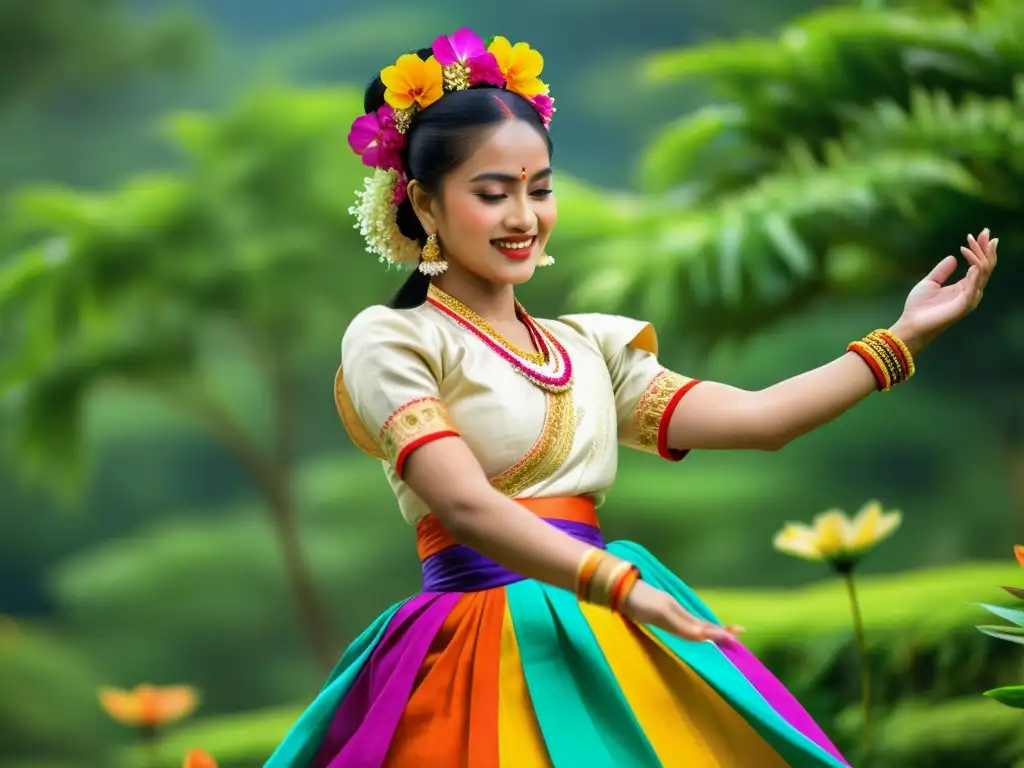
(130, 285)
(187, 597)
(49, 714)
(54, 43)
(959, 733)
(1010, 695)
(237, 741)
(851, 123)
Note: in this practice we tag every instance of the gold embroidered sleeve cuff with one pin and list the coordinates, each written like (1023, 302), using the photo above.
(415, 424)
(654, 409)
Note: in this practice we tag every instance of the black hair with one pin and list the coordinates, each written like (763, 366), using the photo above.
(439, 140)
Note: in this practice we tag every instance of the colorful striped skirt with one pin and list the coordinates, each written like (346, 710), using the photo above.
(485, 669)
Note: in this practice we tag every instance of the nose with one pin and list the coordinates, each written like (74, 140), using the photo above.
(519, 215)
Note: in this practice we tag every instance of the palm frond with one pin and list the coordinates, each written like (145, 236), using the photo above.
(982, 130)
(760, 244)
(685, 147)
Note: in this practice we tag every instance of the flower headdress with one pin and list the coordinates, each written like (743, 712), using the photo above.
(459, 61)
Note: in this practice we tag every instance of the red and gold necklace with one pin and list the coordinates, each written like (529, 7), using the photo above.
(549, 368)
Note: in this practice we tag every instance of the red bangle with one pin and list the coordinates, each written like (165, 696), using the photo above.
(621, 589)
(881, 379)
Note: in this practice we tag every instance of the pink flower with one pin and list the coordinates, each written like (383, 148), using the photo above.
(466, 47)
(545, 107)
(401, 188)
(376, 140)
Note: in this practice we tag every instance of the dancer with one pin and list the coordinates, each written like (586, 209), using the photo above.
(533, 642)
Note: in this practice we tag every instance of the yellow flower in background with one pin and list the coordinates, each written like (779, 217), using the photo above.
(197, 758)
(835, 538)
(149, 706)
(521, 66)
(411, 80)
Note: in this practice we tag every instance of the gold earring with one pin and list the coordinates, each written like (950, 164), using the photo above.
(545, 260)
(432, 263)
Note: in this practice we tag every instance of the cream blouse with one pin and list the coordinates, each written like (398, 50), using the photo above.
(409, 376)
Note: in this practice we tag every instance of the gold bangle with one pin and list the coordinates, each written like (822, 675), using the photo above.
(904, 349)
(605, 588)
(887, 355)
(585, 571)
(599, 589)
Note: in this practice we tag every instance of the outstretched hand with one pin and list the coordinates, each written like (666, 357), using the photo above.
(647, 605)
(933, 306)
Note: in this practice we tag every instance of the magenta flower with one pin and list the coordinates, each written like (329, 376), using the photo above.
(376, 140)
(401, 189)
(466, 47)
(545, 107)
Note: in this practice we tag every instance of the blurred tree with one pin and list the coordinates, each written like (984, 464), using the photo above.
(844, 158)
(67, 44)
(241, 262)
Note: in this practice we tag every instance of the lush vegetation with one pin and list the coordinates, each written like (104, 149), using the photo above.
(180, 504)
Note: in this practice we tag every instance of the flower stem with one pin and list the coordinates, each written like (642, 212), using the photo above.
(150, 747)
(865, 669)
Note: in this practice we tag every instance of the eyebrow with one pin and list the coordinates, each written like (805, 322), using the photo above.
(509, 178)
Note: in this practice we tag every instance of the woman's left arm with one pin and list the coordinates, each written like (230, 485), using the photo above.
(717, 416)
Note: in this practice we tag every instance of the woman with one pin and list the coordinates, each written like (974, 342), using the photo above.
(499, 436)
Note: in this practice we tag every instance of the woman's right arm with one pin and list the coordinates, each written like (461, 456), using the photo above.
(446, 475)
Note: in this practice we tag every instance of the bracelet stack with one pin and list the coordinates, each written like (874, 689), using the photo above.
(887, 356)
(604, 579)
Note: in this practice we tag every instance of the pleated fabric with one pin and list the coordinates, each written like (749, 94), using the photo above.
(524, 676)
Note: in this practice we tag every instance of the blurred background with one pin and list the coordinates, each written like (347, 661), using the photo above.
(763, 179)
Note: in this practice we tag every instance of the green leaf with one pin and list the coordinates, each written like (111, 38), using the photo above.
(1010, 634)
(1010, 695)
(1015, 591)
(1010, 614)
(789, 245)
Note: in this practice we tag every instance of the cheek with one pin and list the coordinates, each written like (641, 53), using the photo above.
(547, 214)
(475, 218)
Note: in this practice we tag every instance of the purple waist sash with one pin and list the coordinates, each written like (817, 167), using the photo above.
(461, 569)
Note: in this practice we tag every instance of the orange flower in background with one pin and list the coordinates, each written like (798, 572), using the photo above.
(197, 758)
(411, 80)
(1018, 551)
(521, 66)
(149, 706)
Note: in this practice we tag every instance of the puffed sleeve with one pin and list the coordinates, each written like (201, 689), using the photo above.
(386, 389)
(646, 393)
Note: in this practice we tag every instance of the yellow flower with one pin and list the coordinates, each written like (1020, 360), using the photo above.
(835, 538)
(197, 758)
(411, 80)
(149, 706)
(521, 66)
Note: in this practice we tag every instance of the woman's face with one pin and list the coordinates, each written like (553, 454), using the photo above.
(489, 220)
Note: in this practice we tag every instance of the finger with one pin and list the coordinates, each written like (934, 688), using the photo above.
(970, 286)
(993, 251)
(943, 270)
(692, 628)
(983, 238)
(972, 257)
(976, 247)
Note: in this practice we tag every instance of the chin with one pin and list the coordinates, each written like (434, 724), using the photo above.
(515, 274)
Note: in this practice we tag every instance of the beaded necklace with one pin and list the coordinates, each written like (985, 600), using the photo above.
(549, 368)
